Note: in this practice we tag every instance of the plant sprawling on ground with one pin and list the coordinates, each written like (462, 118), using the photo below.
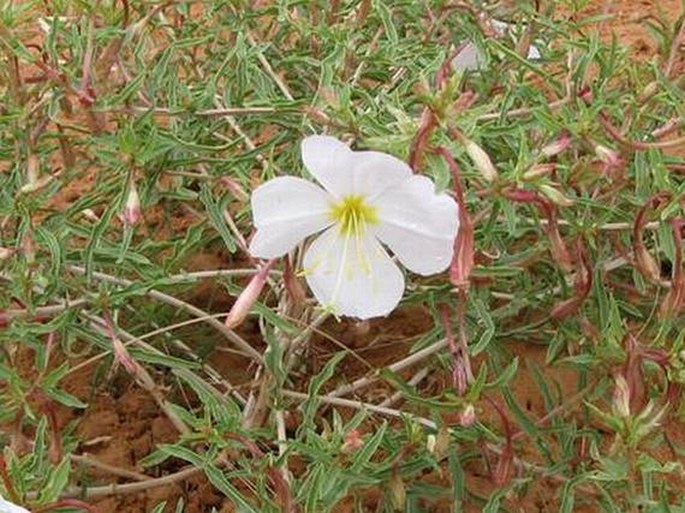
(131, 136)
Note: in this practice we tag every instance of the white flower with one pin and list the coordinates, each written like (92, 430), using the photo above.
(8, 507)
(367, 197)
(472, 57)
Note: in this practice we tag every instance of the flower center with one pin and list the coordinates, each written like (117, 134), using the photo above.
(353, 214)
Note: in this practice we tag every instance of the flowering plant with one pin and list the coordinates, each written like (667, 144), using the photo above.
(367, 198)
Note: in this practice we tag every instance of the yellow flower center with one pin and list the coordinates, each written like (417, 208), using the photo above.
(353, 214)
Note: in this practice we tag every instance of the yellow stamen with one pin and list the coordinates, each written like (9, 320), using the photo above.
(353, 214)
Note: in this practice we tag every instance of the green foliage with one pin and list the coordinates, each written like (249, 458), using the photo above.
(573, 316)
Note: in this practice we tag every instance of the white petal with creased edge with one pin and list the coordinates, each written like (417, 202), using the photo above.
(353, 276)
(8, 507)
(286, 210)
(374, 172)
(344, 172)
(418, 225)
(329, 161)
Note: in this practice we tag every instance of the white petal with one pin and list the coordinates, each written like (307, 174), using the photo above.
(533, 53)
(418, 225)
(345, 172)
(501, 27)
(329, 161)
(8, 507)
(353, 276)
(373, 172)
(285, 210)
(469, 58)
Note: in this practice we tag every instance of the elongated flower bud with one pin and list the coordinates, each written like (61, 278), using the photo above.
(556, 146)
(398, 491)
(467, 417)
(28, 248)
(538, 170)
(481, 160)
(353, 441)
(123, 357)
(438, 444)
(131, 213)
(35, 185)
(34, 181)
(606, 155)
(248, 297)
(234, 188)
(621, 399)
(5, 253)
(555, 196)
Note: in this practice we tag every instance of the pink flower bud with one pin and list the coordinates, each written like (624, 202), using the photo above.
(463, 259)
(5, 253)
(538, 170)
(131, 213)
(123, 357)
(467, 417)
(607, 155)
(28, 248)
(248, 297)
(35, 185)
(522, 195)
(353, 441)
(557, 146)
(438, 444)
(621, 400)
(234, 188)
(460, 377)
(555, 196)
(481, 160)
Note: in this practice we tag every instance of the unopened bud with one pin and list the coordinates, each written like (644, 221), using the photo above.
(555, 196)
(522, 195)
(123, 357)
(316, 114)
(5, 253)
(650, 90)
(646, 264)
(621, 403)
(606, 155)
(431, 440)
(539, 170)
(437, 444)
(463, 259)
(557, 146)
(481, 160)
(35, 185)
(32, 169)
(353, 441)
(131, 213)
(28, 248)
(398, 492)
(234, 187)
(330, 96)
(248, 297)
(460, 377)
(467, 417)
